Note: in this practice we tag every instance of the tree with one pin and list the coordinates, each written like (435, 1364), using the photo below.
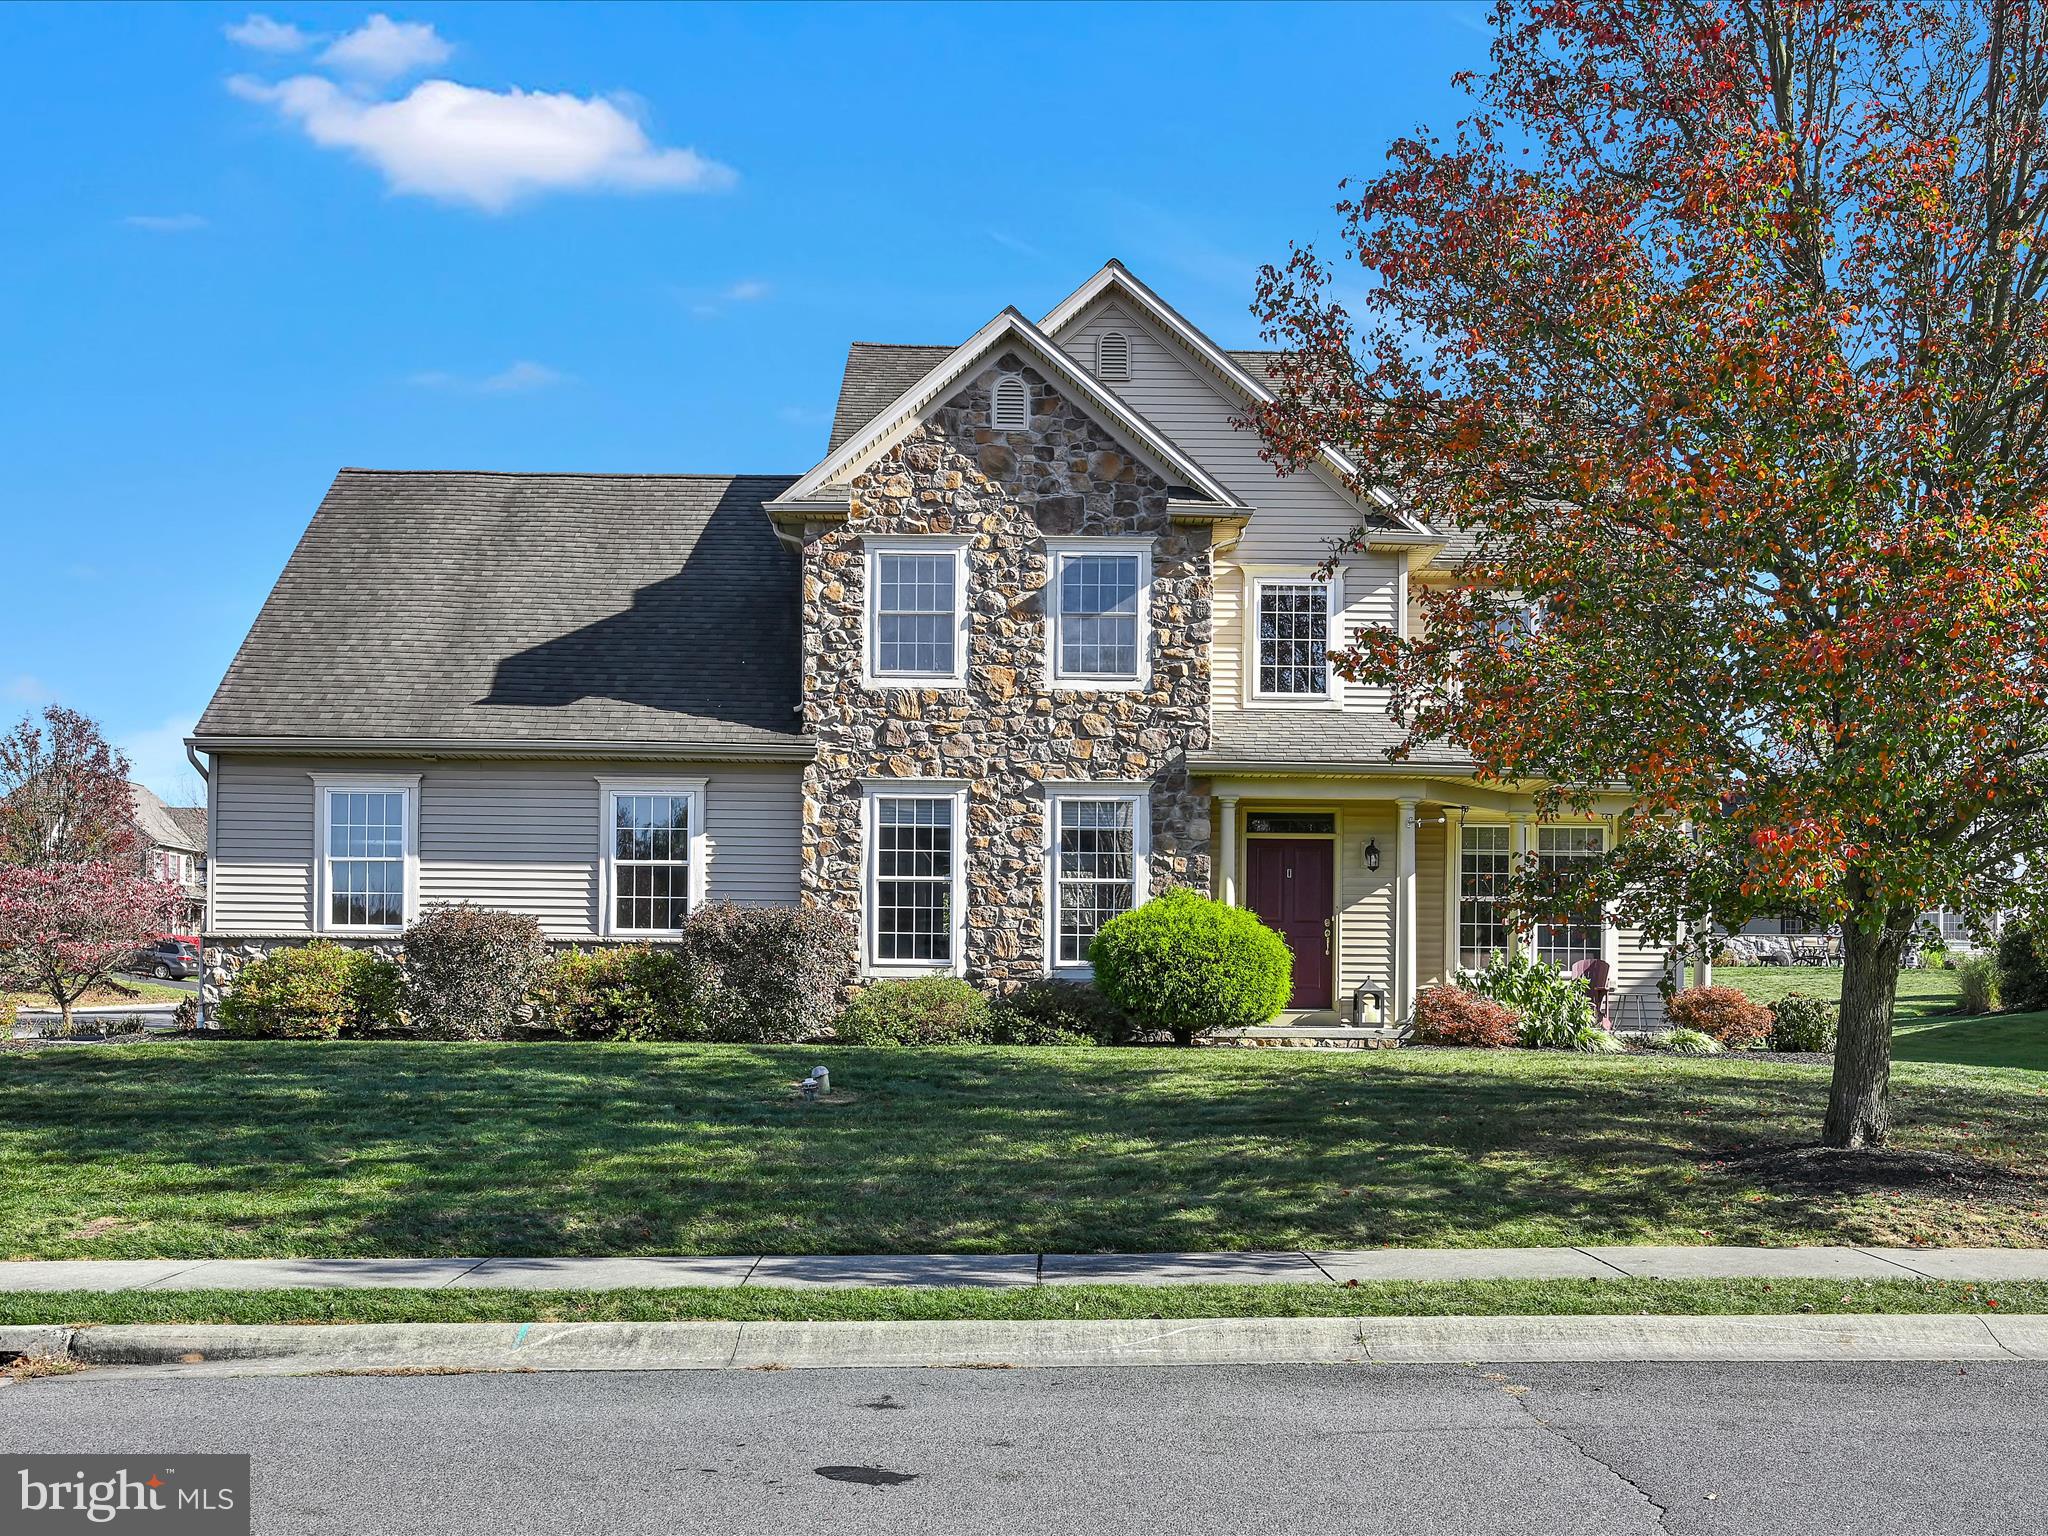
(1717, 327)
(66, 927)
(64, 793)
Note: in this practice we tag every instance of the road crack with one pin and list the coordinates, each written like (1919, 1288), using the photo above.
(1663, 1511)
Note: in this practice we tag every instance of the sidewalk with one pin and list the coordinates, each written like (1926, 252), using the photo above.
(1361, 1265)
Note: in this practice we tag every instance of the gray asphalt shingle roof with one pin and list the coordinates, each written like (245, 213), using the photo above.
(498, 608)
(1314, 739)
(164, 826)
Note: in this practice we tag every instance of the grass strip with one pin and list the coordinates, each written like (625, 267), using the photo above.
(1407, 1298)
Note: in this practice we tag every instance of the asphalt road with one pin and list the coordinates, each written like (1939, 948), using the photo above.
(1586, 1450)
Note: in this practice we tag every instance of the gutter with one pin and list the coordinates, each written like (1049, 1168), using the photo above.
(794, 750)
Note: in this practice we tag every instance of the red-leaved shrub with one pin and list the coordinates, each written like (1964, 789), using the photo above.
(1724, 1013)
(1453, 1016)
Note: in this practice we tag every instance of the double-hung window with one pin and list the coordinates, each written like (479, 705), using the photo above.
(915, 887)
(1578, 935)
(367, 871)
(1483, 869)
(1099, 607)
(1291, 623)
(917, 612)
(652, 854)
(1100, 837)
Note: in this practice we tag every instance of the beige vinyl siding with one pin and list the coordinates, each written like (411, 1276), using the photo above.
(521, 837)
(1432, 870)
(1638, 974)
(1365, 924)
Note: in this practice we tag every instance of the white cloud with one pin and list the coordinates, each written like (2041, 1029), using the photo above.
(748, 290)
(267, 35)
(383, 49)
(156, 757)
(165, 223)
(25, 688)
(488, 149)
(522, 377)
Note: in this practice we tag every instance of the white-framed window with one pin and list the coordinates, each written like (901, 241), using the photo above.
(1113, 355)
(1290, 629)
(1098, 607)
(367, 837)
(916, 890)
(651, 854)
(917, 612)
(1010, 405)
(1579, 936)
(1099, 840)
(1484, 864)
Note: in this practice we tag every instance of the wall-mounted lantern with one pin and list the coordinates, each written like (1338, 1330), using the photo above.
(1372, 854)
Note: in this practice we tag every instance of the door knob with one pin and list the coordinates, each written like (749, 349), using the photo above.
(1329, 933)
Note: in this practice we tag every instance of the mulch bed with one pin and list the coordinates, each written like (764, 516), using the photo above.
(1816, 1170)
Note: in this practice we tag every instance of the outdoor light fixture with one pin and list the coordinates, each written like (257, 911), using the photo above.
(1372, 854)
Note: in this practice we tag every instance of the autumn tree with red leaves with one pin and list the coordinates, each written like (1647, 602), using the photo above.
(1717, 327)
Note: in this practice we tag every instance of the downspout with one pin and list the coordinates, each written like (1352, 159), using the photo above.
(206, 917)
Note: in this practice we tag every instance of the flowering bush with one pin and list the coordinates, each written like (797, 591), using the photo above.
(1722, 1013)
(1454, 1016)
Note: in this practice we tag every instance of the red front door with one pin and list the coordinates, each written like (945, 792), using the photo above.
(1289, 884)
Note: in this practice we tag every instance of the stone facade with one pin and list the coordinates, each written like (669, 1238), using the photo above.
(1008, 731)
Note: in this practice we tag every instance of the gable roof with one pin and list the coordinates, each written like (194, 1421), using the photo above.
(537, 611)
(1010, 330)
(160, 825)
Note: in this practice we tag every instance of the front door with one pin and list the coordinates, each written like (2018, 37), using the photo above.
(1289, 883)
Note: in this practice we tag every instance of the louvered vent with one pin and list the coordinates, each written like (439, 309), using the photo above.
(1012, 412)
(1113, 356)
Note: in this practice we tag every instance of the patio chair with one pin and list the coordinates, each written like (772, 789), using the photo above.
(1594, 974)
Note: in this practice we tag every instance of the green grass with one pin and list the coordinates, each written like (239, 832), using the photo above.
(121, 993)
(753, 1303)
(1993, 1040)
(198, 1149)
(1923, 994)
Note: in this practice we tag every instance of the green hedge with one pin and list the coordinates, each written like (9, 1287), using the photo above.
(316, 992)
(922, 1010)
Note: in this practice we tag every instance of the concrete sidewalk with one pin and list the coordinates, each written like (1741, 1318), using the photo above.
(1361, 1265)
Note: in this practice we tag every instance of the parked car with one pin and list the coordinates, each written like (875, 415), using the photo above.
(169, 959)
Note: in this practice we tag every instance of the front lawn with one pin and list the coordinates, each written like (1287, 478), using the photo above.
(208, 1148)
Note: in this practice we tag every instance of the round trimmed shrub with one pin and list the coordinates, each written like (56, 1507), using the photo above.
(1051, 1012)
(921, 1010)
(1800, 1023)
(1454, 1016)
(467, 970)
(314, 992)
(625, 992)
(1723, 1013)
(1184, 964)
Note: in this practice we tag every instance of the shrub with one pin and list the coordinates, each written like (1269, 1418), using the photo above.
(1979, 978)
(1454, 1016)
(1184, 963)
(770, 974)
(923, 1010)
(1051, 1012)
(1686, 1042)
(631, 992)
(2022, 973)
(1803, 1023)
(315, 992)
(1723, 1013)
(467, 970)
(1551, 1007)
(1595, 1041)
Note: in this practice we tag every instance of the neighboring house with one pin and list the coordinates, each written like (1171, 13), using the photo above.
(1040, 634)
(1938, 926)
(174, 848)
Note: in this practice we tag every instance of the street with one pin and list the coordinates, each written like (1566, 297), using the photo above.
(1585, 1449)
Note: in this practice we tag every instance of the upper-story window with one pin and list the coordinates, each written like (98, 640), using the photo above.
(1011, 410)
(917, 612)
(1113, 355)
(1292, 625)
(368, 840)
(1099, 611)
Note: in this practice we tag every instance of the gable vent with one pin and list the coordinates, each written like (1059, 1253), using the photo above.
(1012, 408)
(1113, 355)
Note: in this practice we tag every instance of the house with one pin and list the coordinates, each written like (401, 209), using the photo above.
(173, 847)
(1040, 633)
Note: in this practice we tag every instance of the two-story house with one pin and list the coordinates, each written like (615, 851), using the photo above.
(1041, 633)
(173, 847)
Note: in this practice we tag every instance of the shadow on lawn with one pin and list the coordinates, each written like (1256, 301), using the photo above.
(541, 1149)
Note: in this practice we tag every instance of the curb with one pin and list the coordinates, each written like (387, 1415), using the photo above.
(401, 1347)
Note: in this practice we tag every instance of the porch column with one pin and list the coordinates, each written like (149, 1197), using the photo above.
(1454, 874)
(1226, 850)
(1404, 914)
(1521, 851)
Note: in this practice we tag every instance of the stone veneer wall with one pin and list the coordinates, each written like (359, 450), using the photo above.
(1006, 733)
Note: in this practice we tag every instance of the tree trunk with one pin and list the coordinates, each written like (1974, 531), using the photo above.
(1859, 1110)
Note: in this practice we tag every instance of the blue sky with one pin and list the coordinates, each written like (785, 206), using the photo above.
(243, 248)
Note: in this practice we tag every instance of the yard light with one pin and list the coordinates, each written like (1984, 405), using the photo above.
(1372, 854)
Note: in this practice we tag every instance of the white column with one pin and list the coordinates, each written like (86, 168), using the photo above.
(1454, 869)
(1226, 850)
(1521, 851)
(1404, 914)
